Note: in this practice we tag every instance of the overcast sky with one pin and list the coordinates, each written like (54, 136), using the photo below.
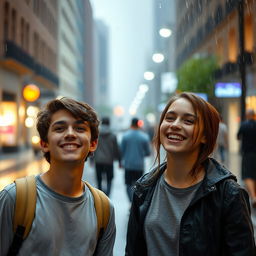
(130, 28)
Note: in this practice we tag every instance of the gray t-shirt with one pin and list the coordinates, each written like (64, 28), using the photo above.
(162, 223)
(63, 226)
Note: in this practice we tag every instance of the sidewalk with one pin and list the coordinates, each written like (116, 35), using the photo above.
(14, 160)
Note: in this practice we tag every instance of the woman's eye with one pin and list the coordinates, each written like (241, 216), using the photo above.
(169, 118)
(188, 121)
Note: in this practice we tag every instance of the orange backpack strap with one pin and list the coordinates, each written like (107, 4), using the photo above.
(24, 213)
(25, 203)
(102, 208)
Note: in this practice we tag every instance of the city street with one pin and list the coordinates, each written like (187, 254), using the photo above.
(118, 195)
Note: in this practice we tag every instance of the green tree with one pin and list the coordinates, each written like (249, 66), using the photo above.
(196, 75)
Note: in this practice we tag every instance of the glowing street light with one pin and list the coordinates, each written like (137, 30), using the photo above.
(148, 75)
(31, 92)
(165, 32)
(158, 57)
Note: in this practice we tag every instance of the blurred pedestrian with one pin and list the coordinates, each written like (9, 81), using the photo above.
(107, 152)
(65, 221)
(189, 204)
(222, 141)
(135, 146)
(247, 135)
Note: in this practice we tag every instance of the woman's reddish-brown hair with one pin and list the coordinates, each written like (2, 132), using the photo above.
(207, 124)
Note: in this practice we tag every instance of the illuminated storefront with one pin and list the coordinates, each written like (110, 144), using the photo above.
(8, 124)
(251, 102)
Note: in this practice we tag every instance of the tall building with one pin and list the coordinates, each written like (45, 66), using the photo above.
(101, 67)
(71, 48)
(28, 55)
(213, 28)
(89, 74)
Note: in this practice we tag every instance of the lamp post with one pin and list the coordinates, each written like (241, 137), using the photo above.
(242, 63)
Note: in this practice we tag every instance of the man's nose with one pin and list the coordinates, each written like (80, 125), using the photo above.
(70, 132)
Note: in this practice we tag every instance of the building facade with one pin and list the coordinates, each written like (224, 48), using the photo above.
(213, 28)
(28, 55)
(101, 90)
(89, 74)
(71, 49)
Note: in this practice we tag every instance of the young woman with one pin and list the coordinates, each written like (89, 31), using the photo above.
(189, 204)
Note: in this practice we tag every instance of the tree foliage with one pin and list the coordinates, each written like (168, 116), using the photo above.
(196, 75)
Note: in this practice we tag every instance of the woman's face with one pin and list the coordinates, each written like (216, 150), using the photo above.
(177, 128)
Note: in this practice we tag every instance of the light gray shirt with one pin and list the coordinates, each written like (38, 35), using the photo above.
(63, 226)
(162, 223)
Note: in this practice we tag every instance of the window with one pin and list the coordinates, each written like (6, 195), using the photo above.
(36, 46)
(232, 50)
(220, 51)
(13, 29)
(248, 31)
(22, 38)
(27, 37)
(6, 21)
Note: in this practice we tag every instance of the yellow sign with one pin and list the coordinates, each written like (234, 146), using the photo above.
(31, 92)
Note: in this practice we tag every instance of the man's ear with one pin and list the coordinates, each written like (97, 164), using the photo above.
(44, 146)
(94, 145)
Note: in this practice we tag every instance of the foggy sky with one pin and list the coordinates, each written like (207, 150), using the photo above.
(130, 41)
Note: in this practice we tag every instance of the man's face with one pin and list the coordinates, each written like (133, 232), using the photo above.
(69, 138)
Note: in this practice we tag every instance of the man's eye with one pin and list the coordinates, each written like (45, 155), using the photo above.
(58, 129)
(80, 129)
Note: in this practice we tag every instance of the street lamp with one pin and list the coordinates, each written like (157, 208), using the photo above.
(165, 32)
(158, 57)
(241, 61)
(149, 75)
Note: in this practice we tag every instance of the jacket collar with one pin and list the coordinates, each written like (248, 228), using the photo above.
(215, 172)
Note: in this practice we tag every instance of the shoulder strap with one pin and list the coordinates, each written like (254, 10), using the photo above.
(102, 208)
(24, 212)
(25, 203)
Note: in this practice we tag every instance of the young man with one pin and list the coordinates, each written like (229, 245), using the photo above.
(135, 146)
(65, 221)
(246, 134)
(107, 152)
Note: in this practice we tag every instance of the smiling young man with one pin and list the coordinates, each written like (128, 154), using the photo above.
(65, 220)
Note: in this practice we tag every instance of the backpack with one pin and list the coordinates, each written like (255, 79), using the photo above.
(25, 210)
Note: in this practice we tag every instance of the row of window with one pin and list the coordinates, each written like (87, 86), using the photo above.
(218, 49)
(18, 31)
(45, 16)
(11, 29)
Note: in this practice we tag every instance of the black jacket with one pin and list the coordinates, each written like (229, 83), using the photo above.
(216, 223)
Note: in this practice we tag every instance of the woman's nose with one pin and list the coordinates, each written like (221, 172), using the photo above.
(176, 124)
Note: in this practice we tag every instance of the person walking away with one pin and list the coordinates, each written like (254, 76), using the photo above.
(247, 135)
(135, 146)
(189, 204)
(65, 221)
(106, 153)
(222, 141)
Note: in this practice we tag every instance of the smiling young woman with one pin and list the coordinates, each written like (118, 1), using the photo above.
(189, 204)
